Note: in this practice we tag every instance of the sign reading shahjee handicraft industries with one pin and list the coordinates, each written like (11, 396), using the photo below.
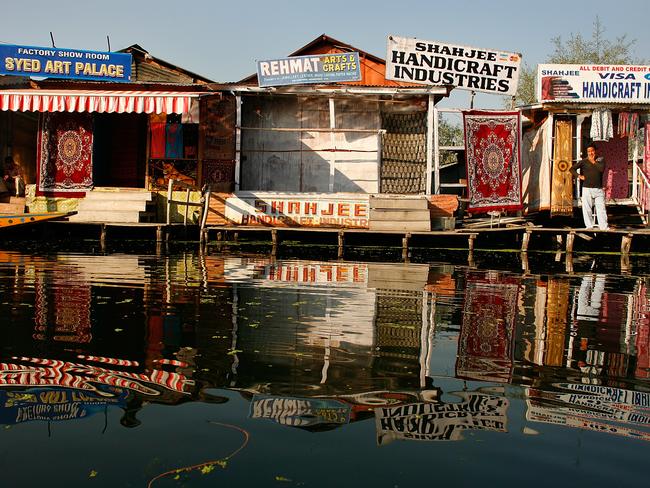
(306, 210)
(64, 63)
(593, 83)
(467, 68)
(316, 68)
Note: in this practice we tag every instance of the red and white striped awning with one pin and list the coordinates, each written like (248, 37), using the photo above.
(101, 101)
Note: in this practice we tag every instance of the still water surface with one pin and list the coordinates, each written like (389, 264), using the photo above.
(188, 369)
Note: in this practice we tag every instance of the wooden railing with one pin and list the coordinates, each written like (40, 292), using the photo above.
(642, 189)
(186, 203)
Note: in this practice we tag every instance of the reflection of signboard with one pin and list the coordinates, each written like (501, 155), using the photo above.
(608, 394)
(298, 210)
(64, 63)
(316, 68)
(467, 68)
(593, 83)
(54, 404)
(317, 273)
(439, 421)
(217, 127)
(300, 412)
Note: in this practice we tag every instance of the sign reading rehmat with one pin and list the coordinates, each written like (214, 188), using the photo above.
(64, 63)
(593, 83)
(493, 160)
(316, 68)
(467, 68)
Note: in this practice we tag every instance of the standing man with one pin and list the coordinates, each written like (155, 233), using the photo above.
(591, 175)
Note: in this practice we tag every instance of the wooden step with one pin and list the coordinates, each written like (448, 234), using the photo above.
(12, 208)
(399, 215)
(418, 203)
(87, 205)
(406, 226)
(128, 195)
(109, 216)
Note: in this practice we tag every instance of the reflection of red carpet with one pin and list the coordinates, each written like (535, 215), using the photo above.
(65, 154)
(63, 310)
(486, 337)
(493, 163)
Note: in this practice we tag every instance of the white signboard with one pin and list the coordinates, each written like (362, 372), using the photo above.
(467, 68)
(298, 210)
(593, 83)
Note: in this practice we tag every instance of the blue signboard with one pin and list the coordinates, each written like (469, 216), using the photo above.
(72, 64)
(317, 68)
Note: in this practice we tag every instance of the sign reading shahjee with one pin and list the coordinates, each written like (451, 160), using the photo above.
(467, 68)
(593, 83)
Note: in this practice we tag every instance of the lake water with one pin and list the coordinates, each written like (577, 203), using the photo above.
(131, 369)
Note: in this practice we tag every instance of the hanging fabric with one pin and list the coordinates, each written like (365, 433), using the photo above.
(645, 188)
(615, 180)
(65, 154)
(174, 141)
(492, 141)
(158, 140)
(536, 168)
(562, 183)
(601, 125)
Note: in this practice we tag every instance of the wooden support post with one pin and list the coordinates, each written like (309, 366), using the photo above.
(524, 262)
(405, 246)
(470, 242)
(159, 233)
(102, 237)
(219, 236)
(524, 241)
(341, 243)
(626, 243)
(235, 236)
(570, 238)
(625, 264)
(569, 262)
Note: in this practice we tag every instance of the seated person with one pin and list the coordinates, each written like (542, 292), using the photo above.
(13, 177)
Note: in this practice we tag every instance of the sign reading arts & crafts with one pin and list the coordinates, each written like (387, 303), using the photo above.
(466, 68)
(298, 210)
(72, 64)
(316, 68)
(593, 83)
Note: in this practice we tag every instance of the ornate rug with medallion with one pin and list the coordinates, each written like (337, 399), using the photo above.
(492, 148)
(485, 346)
(65, 154)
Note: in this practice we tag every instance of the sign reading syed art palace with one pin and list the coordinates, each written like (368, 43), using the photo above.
(467, 68)
(593, 83)
(317, 68)
(64, 63)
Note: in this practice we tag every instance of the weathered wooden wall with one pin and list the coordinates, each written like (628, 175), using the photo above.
(273, 159)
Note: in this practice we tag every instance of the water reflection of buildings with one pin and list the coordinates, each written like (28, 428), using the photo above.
(318, 344)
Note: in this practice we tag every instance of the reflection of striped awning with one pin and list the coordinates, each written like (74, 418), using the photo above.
(100, 101)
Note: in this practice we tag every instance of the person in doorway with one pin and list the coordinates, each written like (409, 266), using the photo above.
(593, 195)
(13, 177)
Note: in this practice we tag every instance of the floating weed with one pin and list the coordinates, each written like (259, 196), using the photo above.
(92, 474)
(232, 352)
(282, 478)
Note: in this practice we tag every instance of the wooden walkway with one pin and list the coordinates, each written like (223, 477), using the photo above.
(520, 238)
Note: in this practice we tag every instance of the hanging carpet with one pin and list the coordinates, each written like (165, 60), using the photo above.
(645, 188)
(65, 154)
(615, 175)
(562, 186)
(493, 162)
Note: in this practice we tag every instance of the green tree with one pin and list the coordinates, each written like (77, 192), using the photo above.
(578, 50)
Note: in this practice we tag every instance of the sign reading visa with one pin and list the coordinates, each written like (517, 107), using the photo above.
(593, 83)
(64, 63)
(317, 68)
(467, 68)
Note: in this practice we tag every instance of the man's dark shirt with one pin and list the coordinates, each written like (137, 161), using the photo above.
(593, 173)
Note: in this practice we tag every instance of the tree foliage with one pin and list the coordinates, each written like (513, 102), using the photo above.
(597, 49)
